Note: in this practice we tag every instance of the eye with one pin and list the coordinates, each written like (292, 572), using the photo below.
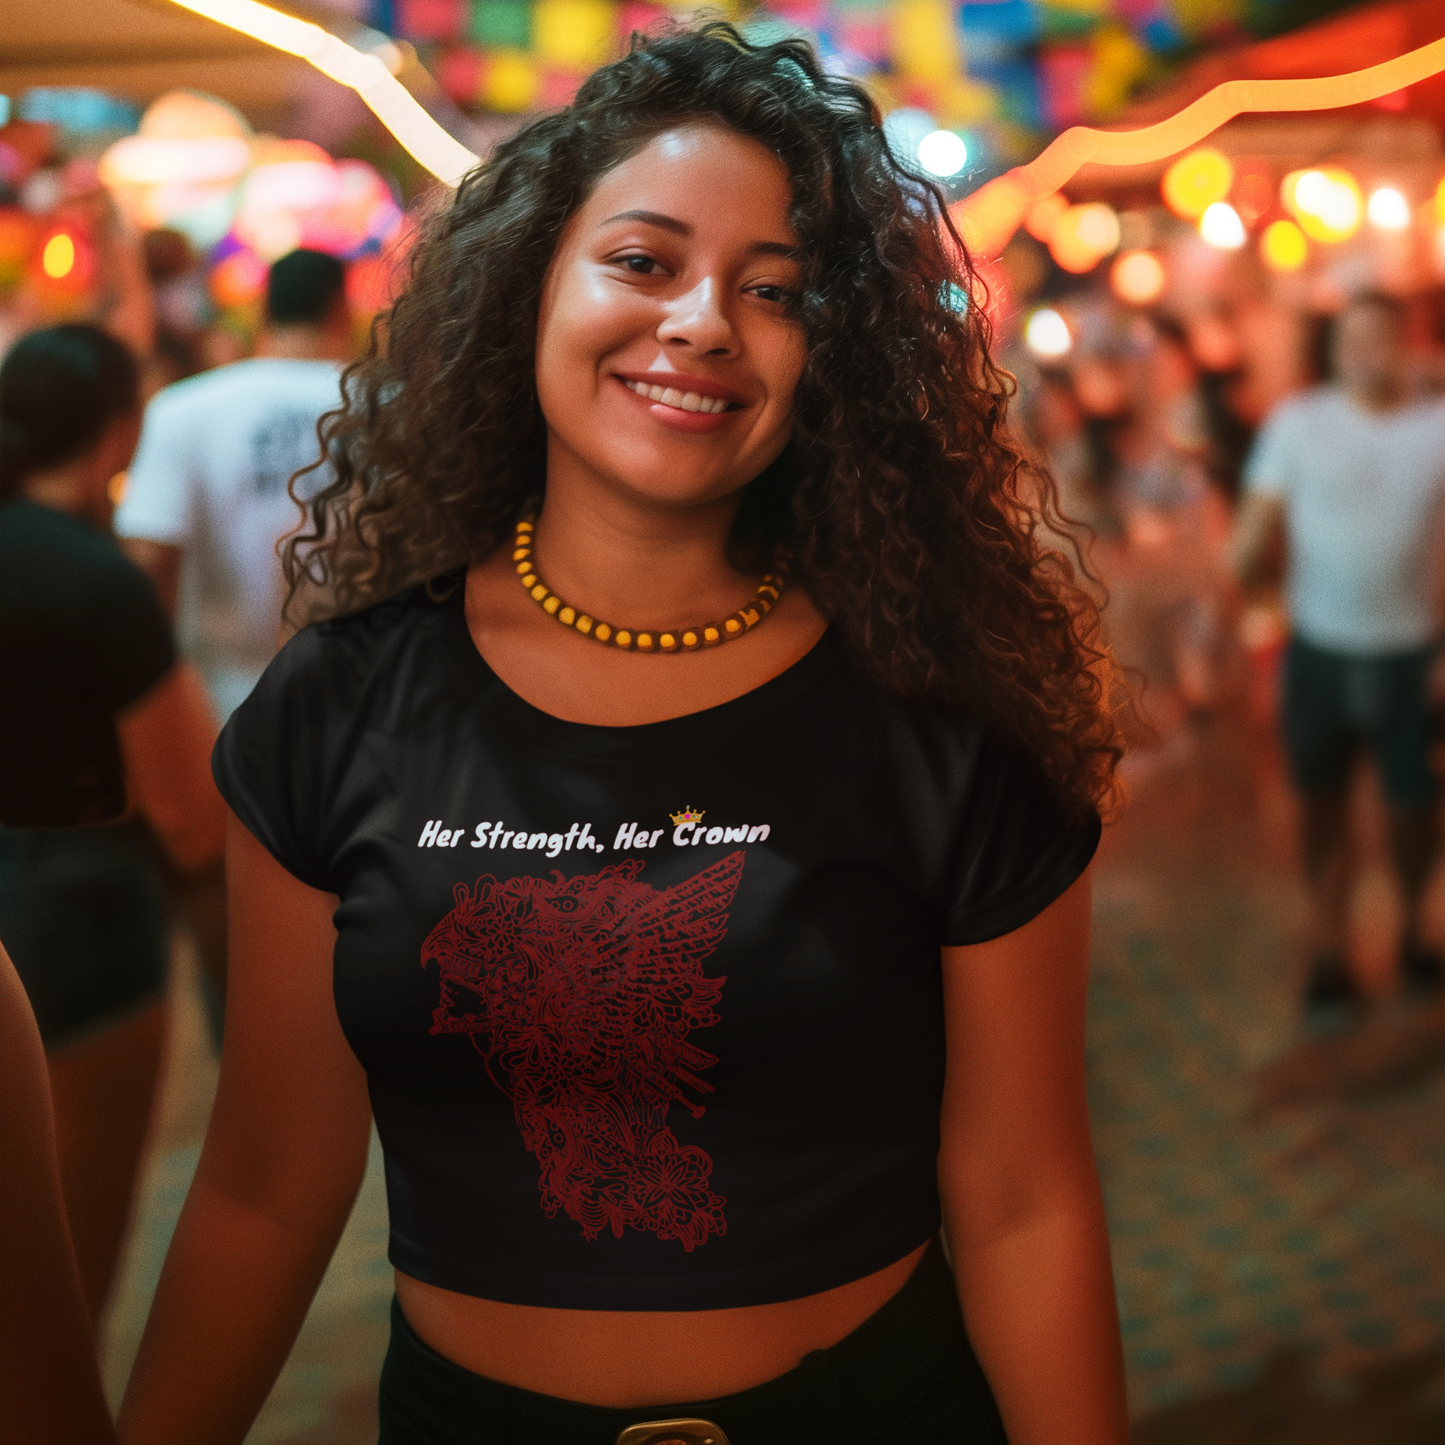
(639, 265)
(775, 295)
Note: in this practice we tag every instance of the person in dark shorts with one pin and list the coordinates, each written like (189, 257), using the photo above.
(1352, 475)
(101, 726)
(708, 933)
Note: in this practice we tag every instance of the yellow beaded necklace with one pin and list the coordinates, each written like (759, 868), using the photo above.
(684, 639)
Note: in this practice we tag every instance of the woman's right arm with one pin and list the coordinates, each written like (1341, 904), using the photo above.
(281, 1167)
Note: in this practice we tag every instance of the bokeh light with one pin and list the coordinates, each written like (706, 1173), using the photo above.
(1047, 334)
(1137, 277)
(1327, 202)
(1196, 181)
(1283, 246)
(1220, 226)
(1083, 236)
(57, 259)
(942, 153)
(1041, 217)
(1388, 210)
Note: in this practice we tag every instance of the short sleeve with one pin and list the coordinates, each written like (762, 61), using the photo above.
(271, 761)
(1016, 849)
(1268, 466)
(157, 503)
(133, 646)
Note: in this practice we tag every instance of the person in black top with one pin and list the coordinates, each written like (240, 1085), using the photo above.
(672, 828)
(101, 726)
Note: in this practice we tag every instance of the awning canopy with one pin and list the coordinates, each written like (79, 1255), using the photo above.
(141, 48)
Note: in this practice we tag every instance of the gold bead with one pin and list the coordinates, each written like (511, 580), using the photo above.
(710, 637)
(529, 579)
(763, 606)
(667, 642)
(521, 554)
(602, 632)
(622, 638)
(733, 627)
(567, 615)
(524, 526)
(539, 591)
(551, 604)
(749, 617)
(644, 642)
(690, 640)
(769, 591)
(584, 624)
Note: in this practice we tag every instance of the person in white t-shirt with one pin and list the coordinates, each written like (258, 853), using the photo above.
(1353, 476)
(207, 498)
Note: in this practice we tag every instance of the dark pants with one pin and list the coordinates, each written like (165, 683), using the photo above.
(1337, 703)
(83, 914)
(907, 1374)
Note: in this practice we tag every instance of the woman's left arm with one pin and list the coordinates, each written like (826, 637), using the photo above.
(1021, 1201)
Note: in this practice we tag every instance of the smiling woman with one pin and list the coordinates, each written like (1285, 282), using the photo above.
(674, 1104)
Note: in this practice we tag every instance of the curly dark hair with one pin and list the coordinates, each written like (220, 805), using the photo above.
(911, 512)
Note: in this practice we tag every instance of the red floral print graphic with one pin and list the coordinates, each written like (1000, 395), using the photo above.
(580, 994)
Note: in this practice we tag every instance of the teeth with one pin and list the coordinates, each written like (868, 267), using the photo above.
(683, 401)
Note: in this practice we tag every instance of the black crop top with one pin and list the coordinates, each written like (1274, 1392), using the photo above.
(651, 1016)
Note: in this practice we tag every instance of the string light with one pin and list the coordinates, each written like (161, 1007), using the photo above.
(1196, 181)
(57, 260)
(1388, 210)
(1137, 277)
(1220, 226)
(1047, 334)
(1283, 246)
(397, 109)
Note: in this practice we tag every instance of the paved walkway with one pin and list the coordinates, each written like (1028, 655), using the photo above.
(1277, 1201)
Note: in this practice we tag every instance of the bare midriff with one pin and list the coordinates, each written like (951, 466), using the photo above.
(624, 1358)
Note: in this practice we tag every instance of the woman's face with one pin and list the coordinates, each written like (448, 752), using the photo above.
(667, 354)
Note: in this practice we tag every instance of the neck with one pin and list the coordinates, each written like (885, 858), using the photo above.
(636, 563)
(299, 343)
(66, 489)
(1383, 396)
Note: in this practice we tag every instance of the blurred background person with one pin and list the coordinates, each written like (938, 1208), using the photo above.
(1351, 476)
(48, 1377)
(206, 501)
(101, 727)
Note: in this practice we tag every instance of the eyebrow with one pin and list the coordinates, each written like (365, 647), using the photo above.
(681, 228)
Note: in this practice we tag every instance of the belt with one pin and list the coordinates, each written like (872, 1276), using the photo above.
(673, 1432)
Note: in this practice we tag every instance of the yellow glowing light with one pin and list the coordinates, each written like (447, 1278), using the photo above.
(990, 216)
(57, 260)
(1440, 200)
(1327, 202)
(1083, 236)
(397, 109)
(1283, 246)
(1197, 181)
(1137, 277)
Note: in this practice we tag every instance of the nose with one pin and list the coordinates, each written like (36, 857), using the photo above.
(696, 321)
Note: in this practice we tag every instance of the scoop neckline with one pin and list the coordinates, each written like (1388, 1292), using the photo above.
(817, 662)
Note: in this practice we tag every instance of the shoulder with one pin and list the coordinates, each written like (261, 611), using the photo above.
(80, 554)
(344, 655)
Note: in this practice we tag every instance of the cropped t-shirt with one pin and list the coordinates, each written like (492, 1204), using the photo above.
(651, 1016)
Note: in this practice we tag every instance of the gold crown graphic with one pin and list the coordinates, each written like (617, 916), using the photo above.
(688, 815)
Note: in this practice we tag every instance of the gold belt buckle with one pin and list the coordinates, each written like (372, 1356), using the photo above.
(673, 1432)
